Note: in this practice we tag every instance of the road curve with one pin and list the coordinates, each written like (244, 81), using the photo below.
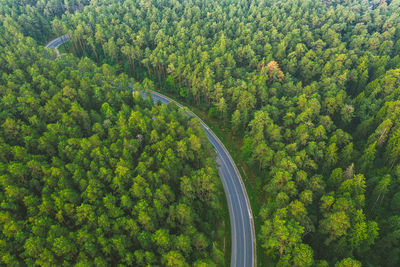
(241, 217)
(57, 42)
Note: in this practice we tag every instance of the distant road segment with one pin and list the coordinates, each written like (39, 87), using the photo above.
(57, 42)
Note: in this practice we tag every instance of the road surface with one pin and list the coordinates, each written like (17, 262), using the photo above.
(241, 218)
(57, 42)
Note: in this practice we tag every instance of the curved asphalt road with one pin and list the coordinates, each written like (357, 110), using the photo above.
(57, 42)
(242, 223)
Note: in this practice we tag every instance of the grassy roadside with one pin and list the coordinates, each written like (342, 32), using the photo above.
(252, 183)
(65, 48)
(62, 49)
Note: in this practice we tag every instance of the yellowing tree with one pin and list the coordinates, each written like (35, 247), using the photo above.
(274, 71)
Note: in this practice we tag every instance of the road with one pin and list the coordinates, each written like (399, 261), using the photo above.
(241, 218)
(242, 223)
(57, 42)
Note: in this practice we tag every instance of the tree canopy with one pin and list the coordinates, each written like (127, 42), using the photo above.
(309, 90)
(92, 174)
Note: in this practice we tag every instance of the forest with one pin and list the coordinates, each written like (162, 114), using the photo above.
(309, 89)
(93, 175)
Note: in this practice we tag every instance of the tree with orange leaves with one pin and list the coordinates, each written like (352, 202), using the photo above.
(274, 71)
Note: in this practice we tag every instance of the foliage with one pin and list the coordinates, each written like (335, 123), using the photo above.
(310, 87)
(91, 174)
